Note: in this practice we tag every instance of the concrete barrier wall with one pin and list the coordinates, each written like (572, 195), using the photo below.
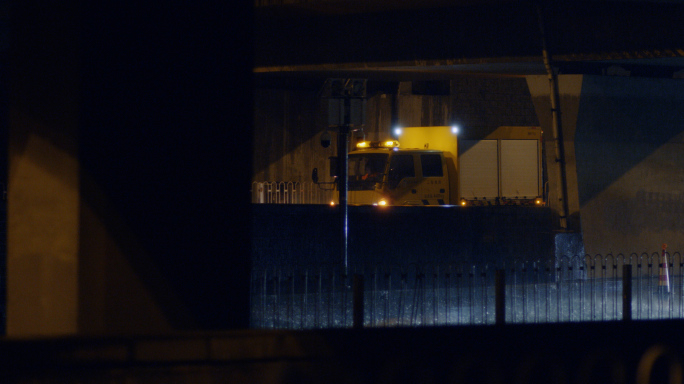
(309, 234)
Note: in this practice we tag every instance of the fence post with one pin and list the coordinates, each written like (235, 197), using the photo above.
(358, 301)
(500, 297)
(626, 292)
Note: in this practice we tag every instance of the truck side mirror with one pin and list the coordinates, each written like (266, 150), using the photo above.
(314, 175)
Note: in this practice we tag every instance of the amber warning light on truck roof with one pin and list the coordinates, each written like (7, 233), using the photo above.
(378, 144)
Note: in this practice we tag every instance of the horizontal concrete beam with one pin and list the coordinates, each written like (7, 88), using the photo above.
(290, 37)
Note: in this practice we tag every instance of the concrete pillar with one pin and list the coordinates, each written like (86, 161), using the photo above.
(630, 162)
(624, 143)
(43, 181)
(570, 87)
(116, 222)
(66, 270)
(42, 231)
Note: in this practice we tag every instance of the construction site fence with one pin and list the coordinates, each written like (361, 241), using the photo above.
(586, 288)
(281, 192)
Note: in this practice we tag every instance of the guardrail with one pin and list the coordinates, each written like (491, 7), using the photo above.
(288, 192)
(574, 289)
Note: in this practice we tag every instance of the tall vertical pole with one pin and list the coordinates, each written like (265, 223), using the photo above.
(343, 163)
(342, 92)
(556, 127)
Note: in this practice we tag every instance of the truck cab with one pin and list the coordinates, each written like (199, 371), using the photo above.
(381, 173)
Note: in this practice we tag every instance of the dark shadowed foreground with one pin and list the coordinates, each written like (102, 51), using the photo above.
(614, 352)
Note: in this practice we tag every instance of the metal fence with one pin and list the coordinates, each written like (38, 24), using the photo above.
(573, 289)
(281, 192)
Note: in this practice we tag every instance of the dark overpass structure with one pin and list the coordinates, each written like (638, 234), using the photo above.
(384, 39)
(124, 219)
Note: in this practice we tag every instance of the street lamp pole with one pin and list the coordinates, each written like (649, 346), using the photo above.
(346, 112)
(343, 162)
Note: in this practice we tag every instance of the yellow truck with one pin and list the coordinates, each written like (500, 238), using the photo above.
(432, 166)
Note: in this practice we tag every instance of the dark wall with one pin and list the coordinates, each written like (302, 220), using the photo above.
(480, 105)
(286, 141)
(165, 115)
(286, 235)
(288, 122)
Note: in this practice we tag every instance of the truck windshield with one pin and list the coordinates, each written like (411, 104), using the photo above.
(366, 169)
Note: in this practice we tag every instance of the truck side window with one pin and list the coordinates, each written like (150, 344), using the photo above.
(401, 166)
(431, 165)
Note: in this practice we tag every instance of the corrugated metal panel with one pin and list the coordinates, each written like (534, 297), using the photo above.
(519, 168)
(287, 133)
(435, 110)
(478, 169)
(378, 117)
(423, 111)
(410, 111)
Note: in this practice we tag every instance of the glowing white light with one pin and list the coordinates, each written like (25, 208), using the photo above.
(454, 129)
(397, 131)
